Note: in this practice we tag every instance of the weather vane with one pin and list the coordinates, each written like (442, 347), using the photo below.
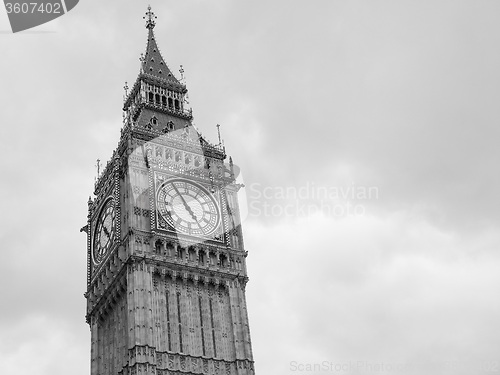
(150, 20)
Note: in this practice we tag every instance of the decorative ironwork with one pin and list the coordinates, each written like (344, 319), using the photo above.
(150, 18)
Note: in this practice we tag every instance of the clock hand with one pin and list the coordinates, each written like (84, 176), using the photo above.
(106, 231)
(186, 206)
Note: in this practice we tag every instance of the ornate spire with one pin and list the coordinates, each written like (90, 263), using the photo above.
(150, 19)
(152, 62)
(162, 88)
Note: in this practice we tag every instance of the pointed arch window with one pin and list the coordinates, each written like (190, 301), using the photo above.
(158, 247)
(201, 258)
(170, 249)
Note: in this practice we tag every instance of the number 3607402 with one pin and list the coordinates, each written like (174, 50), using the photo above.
(33, 8)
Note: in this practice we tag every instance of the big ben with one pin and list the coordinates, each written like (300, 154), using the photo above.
(166, 264)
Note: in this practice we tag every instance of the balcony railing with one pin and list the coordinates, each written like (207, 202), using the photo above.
(170, 108)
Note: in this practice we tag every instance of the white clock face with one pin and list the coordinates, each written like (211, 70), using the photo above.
(188, 207)
(104, 232)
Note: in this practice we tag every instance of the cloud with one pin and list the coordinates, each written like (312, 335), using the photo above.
(394, 290)
(399, 96)
(45, 346)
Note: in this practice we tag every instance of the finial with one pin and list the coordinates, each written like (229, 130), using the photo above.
(150, 18)
(218, 132)
(125, 88)
(231, 167)
(98, 165)
(181, 70)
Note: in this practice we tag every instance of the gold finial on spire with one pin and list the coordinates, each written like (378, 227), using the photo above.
(150, 18)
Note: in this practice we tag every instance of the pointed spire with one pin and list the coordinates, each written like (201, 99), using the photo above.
(152, 63)
(156, 84)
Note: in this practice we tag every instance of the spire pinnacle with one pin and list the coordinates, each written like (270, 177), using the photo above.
(218, 132)
(181, 70)
(150, 19)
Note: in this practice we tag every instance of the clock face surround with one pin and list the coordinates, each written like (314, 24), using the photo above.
(188, 207)
(104, 232)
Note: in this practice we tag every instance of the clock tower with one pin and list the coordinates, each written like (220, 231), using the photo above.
(166, 269)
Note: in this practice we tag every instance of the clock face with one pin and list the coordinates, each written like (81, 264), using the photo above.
(188, 207)
(104, 232)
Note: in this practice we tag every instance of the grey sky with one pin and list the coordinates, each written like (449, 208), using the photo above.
(398, 95)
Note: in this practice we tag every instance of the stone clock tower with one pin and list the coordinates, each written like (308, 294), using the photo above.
(166, 270)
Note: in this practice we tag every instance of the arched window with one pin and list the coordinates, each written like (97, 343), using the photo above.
(212, 259)
(158, 247)
(181, 252)
(170, 249)
(223, 260)
(201, 258)
(192, 254)
(150, 97)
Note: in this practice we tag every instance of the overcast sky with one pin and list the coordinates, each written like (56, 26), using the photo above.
(367, 134)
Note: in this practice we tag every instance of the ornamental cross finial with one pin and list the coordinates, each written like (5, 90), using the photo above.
(150, 18)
